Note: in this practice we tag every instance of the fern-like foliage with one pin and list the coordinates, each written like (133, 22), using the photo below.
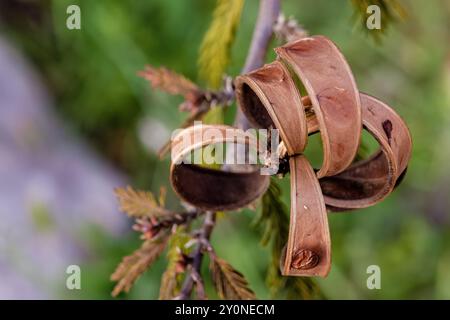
(215, 50)
(168, 81)
(158, 227)
(274, 221)
(137, 203)
(134, 265)
(229, 283)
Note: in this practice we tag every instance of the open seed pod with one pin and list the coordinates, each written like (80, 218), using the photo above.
(329, 82)
(367, 182)
(270, 98)
(213, 189)
(337, 111)
(335, 108)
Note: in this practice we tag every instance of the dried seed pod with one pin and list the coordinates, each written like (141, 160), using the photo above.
(269, 98)
(369, 181)
(334, 95)
(212, 189)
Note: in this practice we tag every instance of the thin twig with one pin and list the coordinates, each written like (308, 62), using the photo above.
(151, 227)
(197, 256)
(268, 14)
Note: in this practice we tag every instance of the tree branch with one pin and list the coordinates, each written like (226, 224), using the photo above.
(268, 14)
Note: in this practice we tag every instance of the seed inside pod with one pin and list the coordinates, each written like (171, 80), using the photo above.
(305, 259)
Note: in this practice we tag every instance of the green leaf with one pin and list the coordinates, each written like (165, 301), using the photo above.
(214, 116)
(273, 216)
(171, 279)
(215, 50)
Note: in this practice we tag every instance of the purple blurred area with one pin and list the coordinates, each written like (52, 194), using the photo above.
(52, 187)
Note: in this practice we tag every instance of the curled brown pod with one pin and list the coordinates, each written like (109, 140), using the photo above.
(309, 236)
(208, 188)
(369, 181)
(327, 78)
(271, 91)
(270, 98)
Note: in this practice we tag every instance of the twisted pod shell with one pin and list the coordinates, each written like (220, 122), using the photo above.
(270, 98)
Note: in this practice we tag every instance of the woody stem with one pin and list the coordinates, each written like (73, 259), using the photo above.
(267, 15)
(197, 256)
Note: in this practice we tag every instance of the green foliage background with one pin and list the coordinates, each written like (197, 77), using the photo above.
(92, 74)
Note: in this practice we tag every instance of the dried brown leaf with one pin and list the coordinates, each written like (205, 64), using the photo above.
(169, 81)
(230, 283)
(134, 265)
(138, 203)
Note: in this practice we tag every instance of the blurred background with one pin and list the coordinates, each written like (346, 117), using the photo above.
(76, 121)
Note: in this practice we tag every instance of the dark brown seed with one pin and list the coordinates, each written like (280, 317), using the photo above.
(305, 259)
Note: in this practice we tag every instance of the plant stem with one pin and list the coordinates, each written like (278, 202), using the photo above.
(268, 14)
(197, 256)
